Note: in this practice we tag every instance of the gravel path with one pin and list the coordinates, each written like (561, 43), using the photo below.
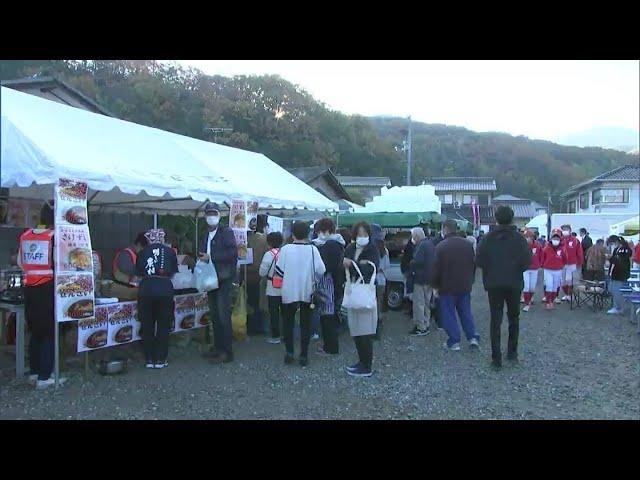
(574, 365)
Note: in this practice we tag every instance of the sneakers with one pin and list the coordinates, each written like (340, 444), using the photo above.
(526, 308)
(353, 367)
(474, 343)
(360, 371)
(274, 340)
(315, 337)
(42, 384)
(565, 298)
(558, 300)
(162, 364)
(454, 348)
(33, 378)
(416, 332)
(150, 365)
(614, 311)
(544, 300)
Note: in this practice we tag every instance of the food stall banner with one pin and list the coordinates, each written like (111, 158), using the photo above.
(240, 215)
(73, 269)
(118, 323)
(276, 224)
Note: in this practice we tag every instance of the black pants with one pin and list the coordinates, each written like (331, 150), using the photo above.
(275, 309)
(364, 346)
(330, 333)
(220, 309)
(41, 356)
(497, 298)
(289, 319)
(256, 319)
(155, 315)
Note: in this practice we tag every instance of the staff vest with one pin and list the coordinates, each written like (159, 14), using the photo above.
(36, 256)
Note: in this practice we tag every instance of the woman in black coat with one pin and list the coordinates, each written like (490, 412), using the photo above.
(362, 323)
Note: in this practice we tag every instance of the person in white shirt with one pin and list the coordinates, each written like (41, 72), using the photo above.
(299, 264)
(274, 295)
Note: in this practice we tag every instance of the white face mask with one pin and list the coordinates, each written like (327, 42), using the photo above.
(555, 242)
(213, 220)
(362, 241)
(566, 233)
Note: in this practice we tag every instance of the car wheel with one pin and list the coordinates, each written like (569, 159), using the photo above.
(395, 296)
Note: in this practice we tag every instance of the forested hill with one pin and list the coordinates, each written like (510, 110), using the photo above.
(270, 115)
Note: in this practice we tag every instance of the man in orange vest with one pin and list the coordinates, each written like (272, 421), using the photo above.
(124, 263)
(35, 257)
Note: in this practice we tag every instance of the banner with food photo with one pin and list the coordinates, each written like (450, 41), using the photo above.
(93, 333)
(73, 256)
(201, 305)
(252, 215)
(184, 312)
(121, 323)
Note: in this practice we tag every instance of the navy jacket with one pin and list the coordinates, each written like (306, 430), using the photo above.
(224, 252)
(422, 263)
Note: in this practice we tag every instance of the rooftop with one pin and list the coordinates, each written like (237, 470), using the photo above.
(309, 174)
(364, 181)
(469, 184)
(626, 173)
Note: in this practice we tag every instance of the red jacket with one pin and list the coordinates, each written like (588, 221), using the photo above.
(553, 258)
(636, 253)
(536, 256)
(572, 250)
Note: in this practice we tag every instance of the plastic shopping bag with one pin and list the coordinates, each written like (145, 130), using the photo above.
(205, 276)
(239, 317)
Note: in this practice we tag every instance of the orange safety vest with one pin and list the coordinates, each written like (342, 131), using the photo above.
(36, 256)
(114, 264)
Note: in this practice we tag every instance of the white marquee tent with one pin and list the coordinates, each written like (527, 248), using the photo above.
(131, 167)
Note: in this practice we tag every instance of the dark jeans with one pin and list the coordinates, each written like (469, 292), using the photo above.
(220, 309)
(497, 298)
(155, 315)
(330, 333)
(255, 321)
(364, 346)
(289, 319)
(275, 309)
(460, 303)
(41, 356)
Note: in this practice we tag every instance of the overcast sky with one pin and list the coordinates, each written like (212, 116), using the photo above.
(539, 99)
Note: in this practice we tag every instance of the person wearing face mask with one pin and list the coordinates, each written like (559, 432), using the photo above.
(421, 267)
(362, 323)
(531, 274)
(219, 247)
(553, 261)
(574, 260)
(619, 271)
(331, 246)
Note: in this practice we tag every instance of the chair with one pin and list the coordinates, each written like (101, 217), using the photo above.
(589, 292)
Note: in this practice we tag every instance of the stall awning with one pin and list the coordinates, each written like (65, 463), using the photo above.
(133, 167)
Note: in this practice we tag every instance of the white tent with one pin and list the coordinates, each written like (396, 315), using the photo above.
(420, 198)
(539, 222)
(130, 167)
(631, 224)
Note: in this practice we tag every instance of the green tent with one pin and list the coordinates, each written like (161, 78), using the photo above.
(390, 220)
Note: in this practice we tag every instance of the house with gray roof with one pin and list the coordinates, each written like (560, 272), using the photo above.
(523, 208)
(457, 194)
(615, 191)
(364, 187)
(323, 181)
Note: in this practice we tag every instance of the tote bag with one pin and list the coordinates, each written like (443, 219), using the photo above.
(359, 295)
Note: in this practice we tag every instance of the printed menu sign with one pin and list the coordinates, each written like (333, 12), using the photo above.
(121, 323)
(74, 295)
(93, 332)
(240, 217)
(184, 312)
(201, 305)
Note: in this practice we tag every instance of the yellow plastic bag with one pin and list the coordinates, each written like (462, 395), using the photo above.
(239, 317)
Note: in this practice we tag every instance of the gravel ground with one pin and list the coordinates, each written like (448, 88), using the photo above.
(574, 365)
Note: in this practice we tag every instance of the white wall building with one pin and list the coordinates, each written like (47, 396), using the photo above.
(617, 191)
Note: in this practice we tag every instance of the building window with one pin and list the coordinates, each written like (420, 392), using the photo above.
(610, 195)
(584, 201)
(446, 198)
(468, 199)
(571, 206)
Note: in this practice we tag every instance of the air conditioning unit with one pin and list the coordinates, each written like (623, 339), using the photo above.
(456, 205)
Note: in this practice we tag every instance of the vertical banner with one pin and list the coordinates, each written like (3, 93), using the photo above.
(201, 305)
(239, 221)
(74, 295)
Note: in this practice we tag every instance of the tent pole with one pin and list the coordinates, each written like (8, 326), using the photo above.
(196, 236)
(155, 220)
(56, 343)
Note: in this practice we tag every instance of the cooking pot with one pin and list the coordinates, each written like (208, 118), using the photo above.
(112, 367)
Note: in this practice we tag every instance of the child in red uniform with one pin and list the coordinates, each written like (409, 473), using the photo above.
(574, 257)
(553, 262)
(531, 274)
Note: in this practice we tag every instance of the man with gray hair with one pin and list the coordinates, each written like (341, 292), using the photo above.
(420, 268)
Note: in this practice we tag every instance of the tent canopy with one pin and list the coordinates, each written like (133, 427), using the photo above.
(130, 167)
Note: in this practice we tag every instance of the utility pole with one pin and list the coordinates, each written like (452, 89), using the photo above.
(549, 203)
(409, 153)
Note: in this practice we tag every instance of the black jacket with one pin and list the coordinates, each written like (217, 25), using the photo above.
(371, 253)
(503, 256)
(224, 252)
(422, 263)
(586, 244)
(454, 266)
(620, 264)
(332, 254)
(407, 256)
(156, 264)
